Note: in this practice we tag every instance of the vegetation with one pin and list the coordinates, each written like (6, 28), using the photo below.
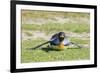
(49, 23)
(53, 27)
(44, 54)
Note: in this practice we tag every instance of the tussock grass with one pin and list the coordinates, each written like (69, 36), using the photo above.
(28, 33)
(51, 14)
(54, 27)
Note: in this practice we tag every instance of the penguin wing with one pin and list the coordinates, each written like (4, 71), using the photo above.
(55, 36)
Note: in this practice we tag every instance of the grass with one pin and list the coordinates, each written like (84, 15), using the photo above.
(55, 27)
(66, 55)
(28, 33)
(44, 54)
(78, 23)
(50, 14)
(80, 41)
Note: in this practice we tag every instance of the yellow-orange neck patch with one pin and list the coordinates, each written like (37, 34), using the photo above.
(61, 46)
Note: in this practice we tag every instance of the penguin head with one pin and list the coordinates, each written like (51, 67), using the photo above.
(61, 36)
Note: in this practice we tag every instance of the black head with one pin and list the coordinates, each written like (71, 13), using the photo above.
(61, 36)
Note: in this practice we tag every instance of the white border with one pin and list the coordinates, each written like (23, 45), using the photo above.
(20, 65)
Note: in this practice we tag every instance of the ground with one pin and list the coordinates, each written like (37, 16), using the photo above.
(39, 26)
